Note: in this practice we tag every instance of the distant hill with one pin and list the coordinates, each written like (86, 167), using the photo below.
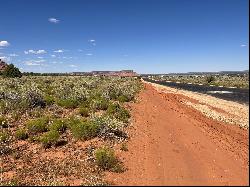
(203, 73)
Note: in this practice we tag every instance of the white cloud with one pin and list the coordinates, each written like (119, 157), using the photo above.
(40, 57)
(4, 43)
(53, 20)
(72, 65)
(31, 63)
(53, 56)
(92, 41)
(67, 57)
(56, 62)
(13, 54)
(34, 62)
(59, 51)
(243, 45)
(41, 51)
(80, 50)
(31, 51)
(39, 61)
(89, 54)
(5, 58)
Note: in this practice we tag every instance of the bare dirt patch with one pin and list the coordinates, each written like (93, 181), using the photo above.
(174, 144)
(215, 108)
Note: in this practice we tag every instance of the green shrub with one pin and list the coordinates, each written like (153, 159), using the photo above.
(37, 112)
(123, 98)
(72, 121)
(35, 99)
(105, 158)
(49, 138)
(118, 112)
(21, 134)
(68, 103)
(86, 103)
(33, 138)
(15, 116)
(3, 122)
(210, 79)
(84, 130)
(124, 147)
(100, 104)
(49, 100)
(109, 127)
(58, 125)
(83, 111)
(4, 137)
(38, 125)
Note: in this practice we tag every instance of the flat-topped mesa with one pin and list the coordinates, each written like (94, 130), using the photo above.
(3, 65)
(122, 73)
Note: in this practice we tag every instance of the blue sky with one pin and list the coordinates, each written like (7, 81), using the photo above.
(148, 36)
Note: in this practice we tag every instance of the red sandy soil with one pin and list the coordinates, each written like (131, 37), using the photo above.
(172, 144)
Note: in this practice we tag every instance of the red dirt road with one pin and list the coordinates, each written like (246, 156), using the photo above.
(172, 144)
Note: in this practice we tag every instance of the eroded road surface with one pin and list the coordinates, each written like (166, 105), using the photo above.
(173, 144)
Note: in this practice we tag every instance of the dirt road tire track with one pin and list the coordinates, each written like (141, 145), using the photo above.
(172, 144)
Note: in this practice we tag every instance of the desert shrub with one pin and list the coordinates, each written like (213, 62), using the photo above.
(109, 127)
(35, 99)
(83, 111)
(3, 122)
(4, 137)
(124, 147)
(123, 98)
(210, 79)
(118, 112)
(85, 103)
(68, 103)
(58, 125)
(21, 134)
(9, 183)
(106, 159)
(16, 116)
(100, 104)
(37, 125)
(36, 112)
(50, 138)
(33, 138)
(49, 100)
(84, 130)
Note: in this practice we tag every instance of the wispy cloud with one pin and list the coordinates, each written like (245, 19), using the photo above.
(72, 66)
(59, 51)
(243, 45)
(92, 42)
(31, 63)
(40, 57)
(53, 56)
(31, 51)
(34, 62)
(13, 55)
(67, 57)
(53, 20)
(4, 43)
(80, 50)
(89, 54)
(5, 58)
(56, 62)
